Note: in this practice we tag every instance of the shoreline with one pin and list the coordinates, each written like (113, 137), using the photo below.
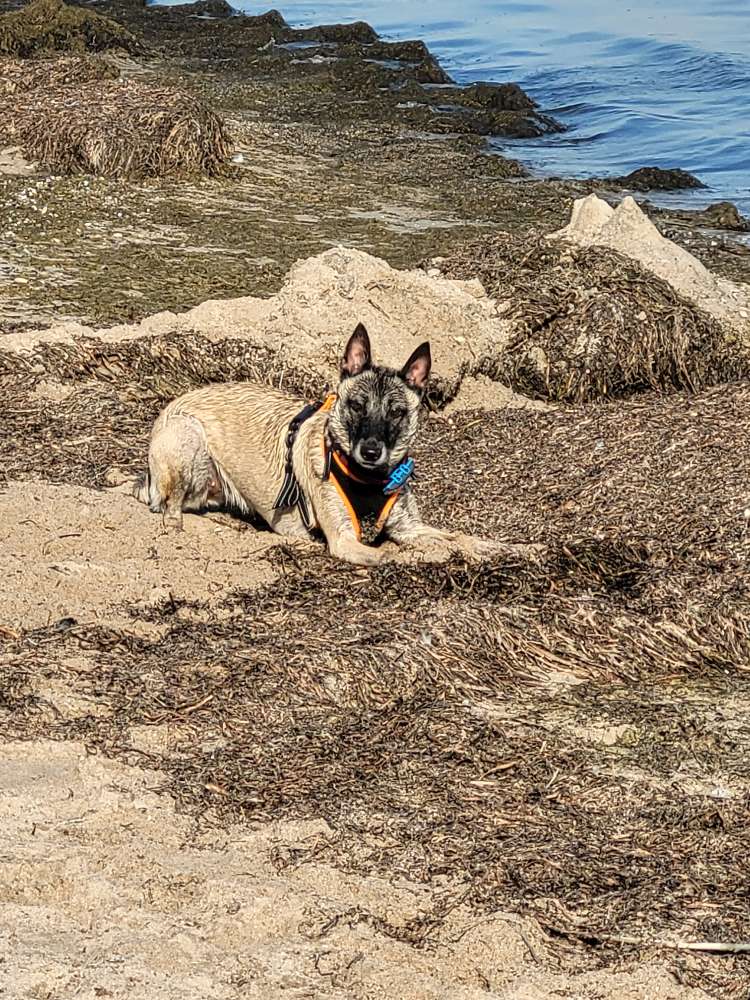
(351, 151)
(560, 97)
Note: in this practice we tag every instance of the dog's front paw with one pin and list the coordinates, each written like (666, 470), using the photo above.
(357, 554)
(440, 546)
(477, 549)
(485, 549)
(432, 548)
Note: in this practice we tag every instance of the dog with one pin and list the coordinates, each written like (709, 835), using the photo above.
(341, 468)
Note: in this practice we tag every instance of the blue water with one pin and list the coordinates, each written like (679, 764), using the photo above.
(639, 83)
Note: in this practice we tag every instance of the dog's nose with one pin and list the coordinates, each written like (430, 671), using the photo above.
(371, 450)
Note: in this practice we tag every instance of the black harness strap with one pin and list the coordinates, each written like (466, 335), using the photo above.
(290, 494)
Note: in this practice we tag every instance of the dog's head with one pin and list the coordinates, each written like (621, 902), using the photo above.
(376, 414)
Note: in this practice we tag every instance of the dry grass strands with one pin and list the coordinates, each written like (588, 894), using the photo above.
(17, 75)
(116, 129)
(127, 384)
(415, 726)
(670, 470)
(593, 323)
(156, 369)
(45, 26)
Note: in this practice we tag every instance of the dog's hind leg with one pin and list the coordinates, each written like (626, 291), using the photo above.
(160, 496)
(141, 488)
(181, 474)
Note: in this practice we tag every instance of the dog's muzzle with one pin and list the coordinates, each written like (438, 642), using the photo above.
(370, 453)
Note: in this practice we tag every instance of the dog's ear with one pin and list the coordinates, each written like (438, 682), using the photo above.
(416, 371)
(358, 355)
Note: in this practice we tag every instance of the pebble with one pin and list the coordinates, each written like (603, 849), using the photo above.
(720, 792)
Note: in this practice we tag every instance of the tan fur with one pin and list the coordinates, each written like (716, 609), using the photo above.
(226, 445)
(237, 433)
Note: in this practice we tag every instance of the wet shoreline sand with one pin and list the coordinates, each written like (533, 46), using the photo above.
(331, 152)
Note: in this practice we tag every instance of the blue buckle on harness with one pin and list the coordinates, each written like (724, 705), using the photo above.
(399, 476)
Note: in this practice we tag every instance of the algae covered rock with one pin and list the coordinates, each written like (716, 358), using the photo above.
(45, 26)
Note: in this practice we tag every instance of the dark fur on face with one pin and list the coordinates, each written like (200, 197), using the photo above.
(376, 415)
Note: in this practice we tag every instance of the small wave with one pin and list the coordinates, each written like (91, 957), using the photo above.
(665, 84)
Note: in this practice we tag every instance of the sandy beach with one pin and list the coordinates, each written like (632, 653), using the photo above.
(231, 767)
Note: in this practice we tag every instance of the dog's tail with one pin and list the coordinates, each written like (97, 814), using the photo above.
(142, 487)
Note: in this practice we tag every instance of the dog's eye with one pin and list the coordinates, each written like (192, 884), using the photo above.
(357, 406)
(398, 413)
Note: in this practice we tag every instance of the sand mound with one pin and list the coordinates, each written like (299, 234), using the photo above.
(627, 230)
(591, 322)
(52, 26)
(399, 308)
(125, 129)
(565, 324)
(295, 337)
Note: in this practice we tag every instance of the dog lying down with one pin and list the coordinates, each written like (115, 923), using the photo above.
(341, 468)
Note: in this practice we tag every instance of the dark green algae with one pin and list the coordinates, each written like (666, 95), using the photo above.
(346, 140)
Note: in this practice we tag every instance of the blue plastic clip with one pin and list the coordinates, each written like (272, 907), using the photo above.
(399, 476)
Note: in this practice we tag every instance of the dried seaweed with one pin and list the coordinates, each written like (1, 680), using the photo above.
(124, 129)
(17, 75)
(45, 26)
(424, 732)
(567, 738)
(593, 323)
(107, 421)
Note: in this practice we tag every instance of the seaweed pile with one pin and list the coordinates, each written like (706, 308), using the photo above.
(123, 129)
(339, 72)
(420, 725)
(592, 323)
(118, 390)
(43, 27)
(72, 115)
(20, 75)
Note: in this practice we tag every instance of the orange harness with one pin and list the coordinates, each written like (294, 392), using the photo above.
(367, 501)
(366, 504)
